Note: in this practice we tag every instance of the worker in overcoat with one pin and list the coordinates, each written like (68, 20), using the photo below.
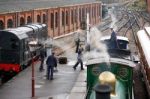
(51, 63)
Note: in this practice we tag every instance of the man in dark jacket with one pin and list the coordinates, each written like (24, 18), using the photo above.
(113, 39)
(51, 63)
(42, 57)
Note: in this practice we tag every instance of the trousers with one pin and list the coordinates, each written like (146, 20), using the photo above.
(79, 61)
(50, 71)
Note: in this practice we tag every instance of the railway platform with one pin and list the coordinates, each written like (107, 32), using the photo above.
(67, 84)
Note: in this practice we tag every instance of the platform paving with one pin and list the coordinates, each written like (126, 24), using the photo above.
(67, 84)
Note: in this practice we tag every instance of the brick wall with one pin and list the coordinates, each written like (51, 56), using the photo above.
(53, 17)
(148, 3)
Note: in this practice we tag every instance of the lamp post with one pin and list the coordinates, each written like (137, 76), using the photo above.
(32, 45)
(33, 80)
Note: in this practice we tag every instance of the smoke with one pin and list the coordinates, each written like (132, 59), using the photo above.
(98, 49)
(62, 45)
(111, 12)
(66, 45)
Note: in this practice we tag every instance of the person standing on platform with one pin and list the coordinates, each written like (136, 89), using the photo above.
(113, 39)
(51, 63)
(77, 42)
(42, 57)
(79, 59)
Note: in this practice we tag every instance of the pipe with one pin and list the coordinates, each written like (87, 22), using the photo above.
(102, 91)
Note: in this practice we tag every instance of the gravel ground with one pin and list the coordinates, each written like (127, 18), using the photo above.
(139, 86)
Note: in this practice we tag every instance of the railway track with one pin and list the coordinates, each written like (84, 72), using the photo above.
(128, 25)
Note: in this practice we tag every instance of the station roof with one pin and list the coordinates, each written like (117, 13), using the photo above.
(7, 6)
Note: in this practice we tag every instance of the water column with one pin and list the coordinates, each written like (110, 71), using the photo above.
(87, 33)
(88, 29)
(49, 45)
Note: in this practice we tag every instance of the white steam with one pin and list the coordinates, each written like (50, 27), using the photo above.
(98, 49)
(113, 18)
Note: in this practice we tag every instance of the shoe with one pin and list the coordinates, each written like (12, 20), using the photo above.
(47, 78)
(82, 68)
(52, 78)
(74, 68)
(41, 70)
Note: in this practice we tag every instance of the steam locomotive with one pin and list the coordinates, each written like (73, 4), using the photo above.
(111, 78)
(15, 53)
(143, 42)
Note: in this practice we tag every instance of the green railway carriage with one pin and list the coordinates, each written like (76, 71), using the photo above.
(122, 69)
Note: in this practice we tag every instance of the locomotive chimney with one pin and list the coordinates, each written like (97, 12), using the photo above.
(102, 91)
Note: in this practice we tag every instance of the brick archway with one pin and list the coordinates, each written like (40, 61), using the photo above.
(38, 18)
(63, 18)
(67, 17)
(10, 23)
(52, 20)
(1, 25)
(80, 15)
(56, 19)
(22, 21)
(29, 19)
(44, 18)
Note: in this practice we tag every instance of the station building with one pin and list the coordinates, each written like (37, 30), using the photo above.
(148, 5)
(61, 16)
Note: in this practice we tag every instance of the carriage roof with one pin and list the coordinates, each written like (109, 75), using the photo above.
(110, 60)
(145, 43)
(18, 33)
(118, 38)
(21, 32)
(34, 26)
(147, 29)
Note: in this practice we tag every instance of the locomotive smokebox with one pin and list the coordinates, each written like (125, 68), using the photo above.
(102, 91)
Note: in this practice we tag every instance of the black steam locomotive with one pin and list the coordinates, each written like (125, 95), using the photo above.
(15, 53)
